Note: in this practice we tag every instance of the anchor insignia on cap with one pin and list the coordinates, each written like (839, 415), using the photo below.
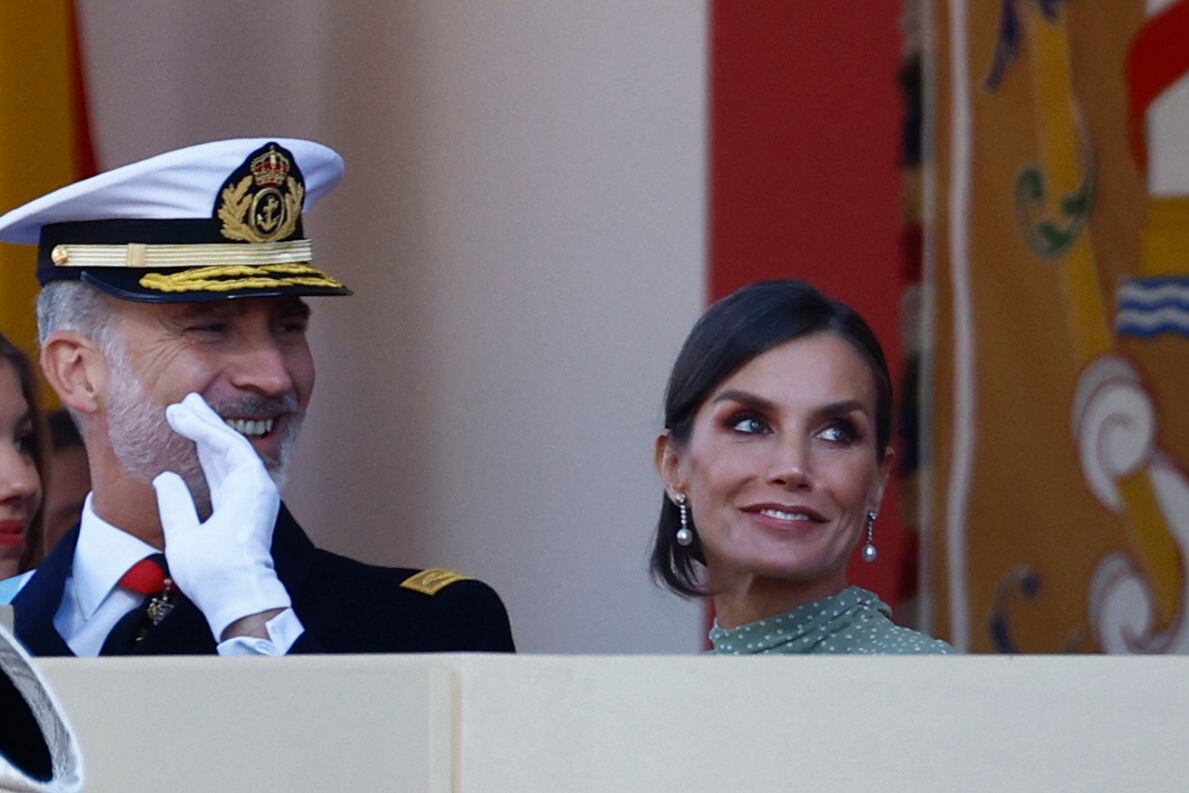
(265, 204)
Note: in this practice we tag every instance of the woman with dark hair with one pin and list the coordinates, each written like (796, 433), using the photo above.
(774, 458)
(22, 464)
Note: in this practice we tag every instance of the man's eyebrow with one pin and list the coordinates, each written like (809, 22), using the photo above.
(196, 310)
(295, 308)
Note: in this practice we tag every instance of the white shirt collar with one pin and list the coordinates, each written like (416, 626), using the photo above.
(103, 554)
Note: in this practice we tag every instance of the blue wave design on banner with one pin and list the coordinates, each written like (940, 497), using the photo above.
(1133, 304)
(1153, 282)
(1179, 329)
(1150, 307)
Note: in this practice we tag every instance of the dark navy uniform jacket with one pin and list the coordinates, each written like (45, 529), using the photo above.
(344, 605)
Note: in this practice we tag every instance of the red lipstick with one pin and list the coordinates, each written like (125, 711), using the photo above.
(12, 533)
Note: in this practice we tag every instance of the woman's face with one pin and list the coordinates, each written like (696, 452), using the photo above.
(20, 486)
(781, 467)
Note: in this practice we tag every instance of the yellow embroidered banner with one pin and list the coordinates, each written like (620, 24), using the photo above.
(43, 136)
(1057, 502)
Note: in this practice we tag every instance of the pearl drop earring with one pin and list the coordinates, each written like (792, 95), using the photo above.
(684, 535)
(869, 549)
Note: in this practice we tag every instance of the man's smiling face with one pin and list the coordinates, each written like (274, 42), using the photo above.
(248, 358)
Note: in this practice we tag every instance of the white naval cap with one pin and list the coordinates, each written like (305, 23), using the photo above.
(211, 221)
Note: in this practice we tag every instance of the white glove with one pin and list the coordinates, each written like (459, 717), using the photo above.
(224, 564)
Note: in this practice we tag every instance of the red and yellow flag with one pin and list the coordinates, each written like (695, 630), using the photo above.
(44, 139)
(1058, 500)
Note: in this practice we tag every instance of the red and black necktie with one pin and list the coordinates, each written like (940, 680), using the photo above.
(148, 577)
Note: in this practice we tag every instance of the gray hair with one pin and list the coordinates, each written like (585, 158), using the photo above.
(78, 307)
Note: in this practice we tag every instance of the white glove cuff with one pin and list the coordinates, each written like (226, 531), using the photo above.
(245, 598)
(283, 630)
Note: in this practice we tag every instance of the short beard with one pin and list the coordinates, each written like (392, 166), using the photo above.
(146, 446)
(287, 406)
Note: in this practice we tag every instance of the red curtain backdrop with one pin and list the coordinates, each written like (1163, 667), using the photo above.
(805, 174)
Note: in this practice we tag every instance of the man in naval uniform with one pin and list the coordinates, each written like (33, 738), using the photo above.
(173, 327)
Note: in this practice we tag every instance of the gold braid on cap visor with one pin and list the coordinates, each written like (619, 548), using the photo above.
(228, 278)
(214, 267)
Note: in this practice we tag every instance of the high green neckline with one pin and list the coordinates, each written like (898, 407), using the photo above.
(798, 629)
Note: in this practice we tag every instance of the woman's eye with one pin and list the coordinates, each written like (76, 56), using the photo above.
(839, 432)
(748, 425)
(24, 443)
(212, 327)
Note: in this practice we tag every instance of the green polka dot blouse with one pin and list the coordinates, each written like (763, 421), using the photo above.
(853, 621)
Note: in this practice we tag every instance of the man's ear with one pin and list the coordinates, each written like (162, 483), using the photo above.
(75, 368)
(666, 458)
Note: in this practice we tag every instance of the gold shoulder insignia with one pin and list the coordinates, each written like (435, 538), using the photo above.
(432, 581)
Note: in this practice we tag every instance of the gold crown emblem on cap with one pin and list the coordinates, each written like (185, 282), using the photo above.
(270, 168)
(265, 204)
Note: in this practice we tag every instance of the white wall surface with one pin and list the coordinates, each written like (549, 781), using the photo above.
(523, 222)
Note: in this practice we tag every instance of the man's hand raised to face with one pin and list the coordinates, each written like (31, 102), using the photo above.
(223, 564)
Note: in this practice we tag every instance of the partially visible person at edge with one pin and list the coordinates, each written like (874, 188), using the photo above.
(173, 327)
(22, 466)
(774, 458)
(69, 477)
